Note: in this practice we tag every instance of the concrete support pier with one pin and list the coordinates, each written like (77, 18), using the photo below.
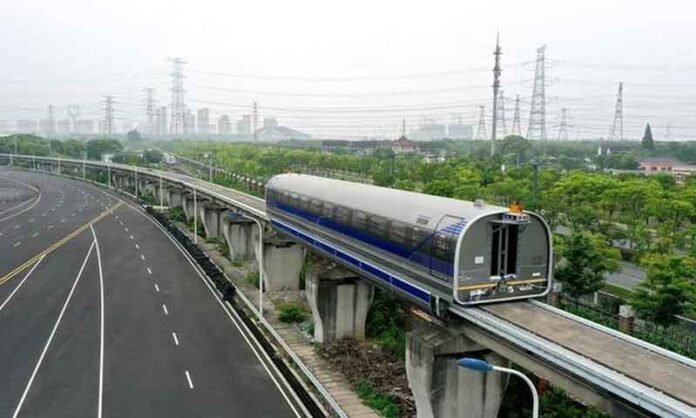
(187, 204)
(241, 236)
(173, 197)
(282, 264)
(443, 389)
(339, 301)
(209, 213)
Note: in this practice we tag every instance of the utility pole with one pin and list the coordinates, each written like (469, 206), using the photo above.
(481, 129)
(149, 110)
(256, 122)
(178, 117)
(108, 116)
(617, 127)
(516, 118)
(496, 86)
(563, 128)
(537, 112)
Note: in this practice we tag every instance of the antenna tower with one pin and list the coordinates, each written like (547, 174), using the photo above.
(481, 130)
(496, 87)
(108, 116)
(617, 127)
(178, 117)
(516, 118)
(537, 113)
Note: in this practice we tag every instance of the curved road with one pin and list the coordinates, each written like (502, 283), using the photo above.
(101, 314)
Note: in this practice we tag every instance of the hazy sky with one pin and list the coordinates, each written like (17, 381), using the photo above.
(355, 68)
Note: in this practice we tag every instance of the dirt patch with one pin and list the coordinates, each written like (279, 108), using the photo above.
(363, 361)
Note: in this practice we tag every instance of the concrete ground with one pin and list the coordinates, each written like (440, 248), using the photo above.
(115, 321)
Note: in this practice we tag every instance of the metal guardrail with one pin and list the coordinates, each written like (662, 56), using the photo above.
(610, 380)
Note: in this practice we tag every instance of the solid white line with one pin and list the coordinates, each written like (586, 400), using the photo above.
(142, 257)
(188, 377)
(164, 308)
(176, 340)
(38, 198)
(149, 271)
(53, 332)
(101, 325)
(21, 283)
(156, 288)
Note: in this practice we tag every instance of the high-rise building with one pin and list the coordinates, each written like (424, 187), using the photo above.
(244, 125)
(203, 121)
(161, 123)
(26, 126)
(224, 125)
(189, 122)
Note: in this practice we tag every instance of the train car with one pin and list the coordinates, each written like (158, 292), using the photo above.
(432, 250)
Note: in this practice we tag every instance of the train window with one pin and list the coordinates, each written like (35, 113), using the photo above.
(304, 203)
(504, 250)
(315, 206)
(294, 200)
(328, 210)
(285, 197)
(443, 247)
(417, 237)
(359, 219)
(399, 231)
(377, 224)
(343, 215)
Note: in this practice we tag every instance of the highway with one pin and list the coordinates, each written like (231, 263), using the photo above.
(101, 314)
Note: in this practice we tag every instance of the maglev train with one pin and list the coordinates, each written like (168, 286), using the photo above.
(432, 250)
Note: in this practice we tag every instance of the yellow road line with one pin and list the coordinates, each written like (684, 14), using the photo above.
(511, 282)
(56, 245)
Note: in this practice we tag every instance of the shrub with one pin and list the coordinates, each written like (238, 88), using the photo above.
(291, 313)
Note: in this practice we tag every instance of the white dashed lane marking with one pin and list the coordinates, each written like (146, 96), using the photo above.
(137, 247)
(188, 378)
(149, 271)
(142, 257)
(156, 288)
(164, 308)
(17, 244)
(176, 340)
(35, 234)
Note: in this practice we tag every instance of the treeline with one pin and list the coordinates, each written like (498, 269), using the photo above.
(93, 149)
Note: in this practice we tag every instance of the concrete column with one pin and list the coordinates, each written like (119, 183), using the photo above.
(443, 389)
(282, 264)
(626, 319)
(174, 197)
(241, 235)
(209, 213)
(150, 188)
(339, 301)
(187, 204)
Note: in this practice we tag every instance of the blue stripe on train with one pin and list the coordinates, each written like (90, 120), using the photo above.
(425, 260)
(387, 278)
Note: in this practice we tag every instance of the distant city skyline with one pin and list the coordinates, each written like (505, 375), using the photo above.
(314, 68)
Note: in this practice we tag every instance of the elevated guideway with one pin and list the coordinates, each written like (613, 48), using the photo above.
(594, 363)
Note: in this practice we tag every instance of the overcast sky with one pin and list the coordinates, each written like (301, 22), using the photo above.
(355, 68)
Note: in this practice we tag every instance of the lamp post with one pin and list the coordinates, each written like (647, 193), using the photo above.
(485, 367)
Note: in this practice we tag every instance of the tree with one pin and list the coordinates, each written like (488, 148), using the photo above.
(668, 289)
(133, 135)
(586, 259)
(98, 147)
(647, 143)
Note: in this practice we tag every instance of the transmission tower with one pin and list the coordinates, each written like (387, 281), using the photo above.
(149, 110)
(74, 114)
(51, 120)
(563, 127)
(481, 130)
(108, 116)
(500, 119)
(537, 113)
(617, 127)
(516, 118)
(496, 87)
(178, 118)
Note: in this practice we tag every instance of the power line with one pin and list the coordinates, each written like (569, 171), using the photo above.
(149, 110)
(178, 118)
(481, 129)
(563, 128)
(516, 118)
(108, 116)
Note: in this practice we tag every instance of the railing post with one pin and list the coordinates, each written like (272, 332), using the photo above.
(626, 319)
(554, 298)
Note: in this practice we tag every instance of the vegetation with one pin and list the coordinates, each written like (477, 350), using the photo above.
(586, 259)
(386, 322)
(380, 402)
(291, 313)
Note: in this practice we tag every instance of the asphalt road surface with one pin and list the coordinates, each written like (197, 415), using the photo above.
(101, 314)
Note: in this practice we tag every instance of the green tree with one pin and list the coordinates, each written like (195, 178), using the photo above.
(647, 142)
(98, 147)
(586, 259)
(668, 289)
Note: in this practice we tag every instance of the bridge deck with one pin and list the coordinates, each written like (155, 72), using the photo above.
(653, 369)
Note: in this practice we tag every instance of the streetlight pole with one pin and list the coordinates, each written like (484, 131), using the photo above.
(136, 182)
(195, 217)
(161, 195)
(485, 367)
(210, 167)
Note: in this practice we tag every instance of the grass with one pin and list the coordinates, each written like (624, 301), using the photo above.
(618, 291)
(386, 323)
(380, 402)
(291, 313)
(176, 214)
(253, 278)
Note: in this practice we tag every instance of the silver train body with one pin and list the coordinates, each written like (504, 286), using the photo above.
(432, 250)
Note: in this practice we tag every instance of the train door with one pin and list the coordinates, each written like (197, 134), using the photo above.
(504, 239)
(442, 246)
